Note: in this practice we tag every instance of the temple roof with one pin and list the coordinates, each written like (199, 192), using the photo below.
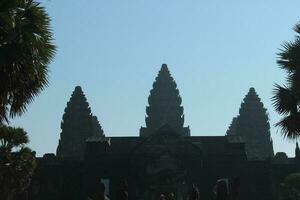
(212, 146)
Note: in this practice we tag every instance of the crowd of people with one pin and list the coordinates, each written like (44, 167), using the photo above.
(222, 191)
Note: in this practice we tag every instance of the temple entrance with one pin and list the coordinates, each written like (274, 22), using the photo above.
(166, 177)
(160, 166)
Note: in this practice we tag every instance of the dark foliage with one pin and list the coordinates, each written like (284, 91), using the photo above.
(286, 99)
(26, 49)
(17, 162)
(290, 188)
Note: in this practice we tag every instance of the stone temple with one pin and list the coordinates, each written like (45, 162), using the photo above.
(166, 157)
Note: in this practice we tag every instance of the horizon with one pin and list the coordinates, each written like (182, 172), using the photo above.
(214, 51)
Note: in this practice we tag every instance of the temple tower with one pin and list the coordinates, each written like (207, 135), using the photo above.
(97, 129)
(232, 128)
(164, 106)
(252, 124)
(77, 125)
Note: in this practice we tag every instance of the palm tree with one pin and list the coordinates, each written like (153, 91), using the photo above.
(286, 99)
(26, 48)
(17, 162)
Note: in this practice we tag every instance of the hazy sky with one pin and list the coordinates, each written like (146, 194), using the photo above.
(215, 50)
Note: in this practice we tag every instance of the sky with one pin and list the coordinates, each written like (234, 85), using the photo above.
(215, 50)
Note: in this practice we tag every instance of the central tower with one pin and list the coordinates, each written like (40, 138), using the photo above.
(164, 106)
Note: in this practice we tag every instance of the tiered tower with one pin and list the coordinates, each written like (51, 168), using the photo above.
(252, 124)
(77, 125)
(164, 106)
(232, 128)
(97, 129)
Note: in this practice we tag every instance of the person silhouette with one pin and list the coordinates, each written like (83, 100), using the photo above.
(97, 192)
(194, 194)
(162, 197)
(171, 196)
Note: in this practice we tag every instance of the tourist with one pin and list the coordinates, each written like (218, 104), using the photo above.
(97, 192)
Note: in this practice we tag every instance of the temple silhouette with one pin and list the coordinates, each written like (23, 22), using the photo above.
(166, 157)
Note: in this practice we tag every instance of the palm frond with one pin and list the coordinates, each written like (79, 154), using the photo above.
(26, 49)
(297, 28)
(290, 126)
(11, 137)
(284, 101)
(288, 57)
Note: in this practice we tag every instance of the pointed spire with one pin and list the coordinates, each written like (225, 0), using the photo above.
(164, 105)
(253, 117)
(164, 67)
(253, 124)
(77, 125)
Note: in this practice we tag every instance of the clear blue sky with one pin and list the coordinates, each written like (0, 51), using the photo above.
(215, 50)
